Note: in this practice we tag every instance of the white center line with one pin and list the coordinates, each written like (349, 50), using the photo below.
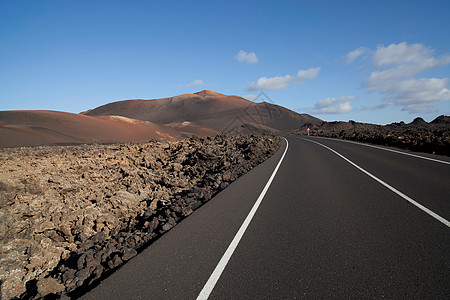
(415, 203)
(209, 286)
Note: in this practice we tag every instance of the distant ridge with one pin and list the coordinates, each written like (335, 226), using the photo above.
(205, 113)
(208, 109)
(419, 121)
(441, 120)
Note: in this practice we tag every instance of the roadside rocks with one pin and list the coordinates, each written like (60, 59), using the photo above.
(70, 215)
(433, 137)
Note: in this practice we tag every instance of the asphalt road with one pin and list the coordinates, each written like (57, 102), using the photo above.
(347, 221)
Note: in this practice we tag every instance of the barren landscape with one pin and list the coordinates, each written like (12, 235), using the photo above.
(224, 150)
(433, 137)
(69, 215)
(131, 170)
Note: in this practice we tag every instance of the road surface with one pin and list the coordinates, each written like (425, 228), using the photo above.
(338, 220)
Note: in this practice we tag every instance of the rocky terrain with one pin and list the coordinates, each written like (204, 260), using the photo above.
(70, 215)
(433, 137)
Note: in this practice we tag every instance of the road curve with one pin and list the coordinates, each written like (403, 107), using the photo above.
(324, 229)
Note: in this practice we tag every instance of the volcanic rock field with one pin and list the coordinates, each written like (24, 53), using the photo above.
(419, 135)
(69, 215)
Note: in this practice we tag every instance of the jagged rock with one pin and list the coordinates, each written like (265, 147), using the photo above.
(83, 274)
(68, 276)
(128, 253)
(74, 212)
(114, 262)
(49, 286)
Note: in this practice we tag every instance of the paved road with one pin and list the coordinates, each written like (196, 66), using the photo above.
(326, 228)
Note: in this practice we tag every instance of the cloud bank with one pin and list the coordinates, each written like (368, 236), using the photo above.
(195, 83)
(333, 105)
(396, 67)
(353, 55)
(282, 82)
(248, 58)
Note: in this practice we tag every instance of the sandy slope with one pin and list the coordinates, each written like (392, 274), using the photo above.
(207, 109)
(32, 128)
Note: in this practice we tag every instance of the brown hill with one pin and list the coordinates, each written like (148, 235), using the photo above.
(32, 128)
(207, 109)
(188, 128)
(419, 122)
(441, 120)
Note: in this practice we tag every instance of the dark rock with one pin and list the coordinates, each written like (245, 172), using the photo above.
(153, 224)
(186, 212)
(84, 258)
(128, 253)
(194, 204)
(99, 238)
(115, 262)
(49, 286)
(97, 272)
(166, 227)
(223, 185)
(83, 274)
(68, 275)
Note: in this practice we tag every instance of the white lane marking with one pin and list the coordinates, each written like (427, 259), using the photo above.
(391, 150)
(418, 205)
(209, 286)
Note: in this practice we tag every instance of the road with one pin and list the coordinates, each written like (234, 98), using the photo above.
(339, 220)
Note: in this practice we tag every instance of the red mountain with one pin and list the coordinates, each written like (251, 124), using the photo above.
(207, 109)
(34, 127)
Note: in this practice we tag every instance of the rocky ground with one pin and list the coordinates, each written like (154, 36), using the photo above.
(71, 215)
(433, 137)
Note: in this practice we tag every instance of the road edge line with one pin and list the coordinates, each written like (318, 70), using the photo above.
(215, 275)
(410, 200)
(387, 149)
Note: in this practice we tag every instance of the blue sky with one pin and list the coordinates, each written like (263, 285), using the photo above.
(369, 61)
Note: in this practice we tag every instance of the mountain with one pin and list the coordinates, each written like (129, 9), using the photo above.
(34, 128)
(419, 122)
(205, 113)
(208, 109)
(441, 120)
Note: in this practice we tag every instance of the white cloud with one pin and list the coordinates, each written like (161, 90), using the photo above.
(396, 65)
(375, 107)
(422, 91)
(339, 109)
(249, 58)
(401, 53)
(333, 105)
(353, 55)
(273, 83)
(308, 74)
(197, 82)
(332, 101)
(282, 82)
(419, 108)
